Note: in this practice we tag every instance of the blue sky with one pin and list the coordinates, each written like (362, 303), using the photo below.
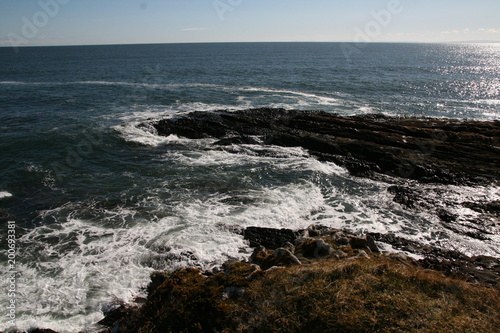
(81, 22)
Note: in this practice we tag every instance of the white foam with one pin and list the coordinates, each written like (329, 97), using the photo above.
(5, 194)
(246, 98)
(284, 158)
(144, 136)
(365, 110)
(488, 101)
(319, 98)
(80, 266)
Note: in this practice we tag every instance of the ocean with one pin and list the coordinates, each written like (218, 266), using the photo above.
(98, 202)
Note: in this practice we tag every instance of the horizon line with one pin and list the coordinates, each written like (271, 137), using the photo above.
(262, 42)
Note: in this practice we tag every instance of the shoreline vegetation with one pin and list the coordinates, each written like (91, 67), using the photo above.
(320, 280)
(327, 280)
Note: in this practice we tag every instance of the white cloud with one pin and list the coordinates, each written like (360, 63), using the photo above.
(467, 31)
(491, 30)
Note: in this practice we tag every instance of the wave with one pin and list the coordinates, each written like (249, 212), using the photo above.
(79, 266)
(488, 101)
(322, 98)
(206, 95)
(143, 135)
(5, 194)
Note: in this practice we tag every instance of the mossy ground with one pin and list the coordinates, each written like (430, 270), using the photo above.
(351, 295)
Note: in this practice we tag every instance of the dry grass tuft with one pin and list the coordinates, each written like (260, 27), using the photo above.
(365, 295)
(351, 295)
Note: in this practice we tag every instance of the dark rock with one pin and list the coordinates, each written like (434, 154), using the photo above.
(480, 269)
(429, 150)
(404, 195)
(233, 292)
(339, 238)
(446, 216)
(492, 208)
(258, 255)
(316, 230)
(116, 315)
(463, 269)
(269, 237)
(41, 330)
(314, 248)
(365, 242)
(238, 140)
(280, 257)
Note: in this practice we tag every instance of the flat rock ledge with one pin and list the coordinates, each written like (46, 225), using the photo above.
(416, 155)
(429, 150)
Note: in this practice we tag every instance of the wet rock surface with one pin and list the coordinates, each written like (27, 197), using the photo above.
(481, 222)
(480, 269)
(421, 156)
(429, 150)
(269, 237)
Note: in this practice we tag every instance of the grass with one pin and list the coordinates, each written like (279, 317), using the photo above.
(351, 295)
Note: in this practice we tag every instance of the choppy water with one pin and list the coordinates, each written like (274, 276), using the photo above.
(100, 203)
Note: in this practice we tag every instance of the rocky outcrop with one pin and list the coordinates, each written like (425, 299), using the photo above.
(319, 263)
(322, 242)
(269, 237)
(413, 151)
(479, 269)
(429, 150)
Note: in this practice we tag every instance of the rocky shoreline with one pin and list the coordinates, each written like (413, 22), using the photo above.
(416, 154)
(425, 151)
(207, 298)
(194, 300)
(412, 152)
(429, 150)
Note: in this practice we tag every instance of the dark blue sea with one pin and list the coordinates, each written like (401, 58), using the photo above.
(99, 203)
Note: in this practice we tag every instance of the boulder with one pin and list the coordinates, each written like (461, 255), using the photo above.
(280, 257)
(258, 255)
(269, 237)
(314, 248)
(233, 292)
(365, 242)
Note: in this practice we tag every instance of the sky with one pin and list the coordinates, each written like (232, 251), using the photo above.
(89, 22)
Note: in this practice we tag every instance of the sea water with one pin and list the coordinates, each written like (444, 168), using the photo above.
(99, 202)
